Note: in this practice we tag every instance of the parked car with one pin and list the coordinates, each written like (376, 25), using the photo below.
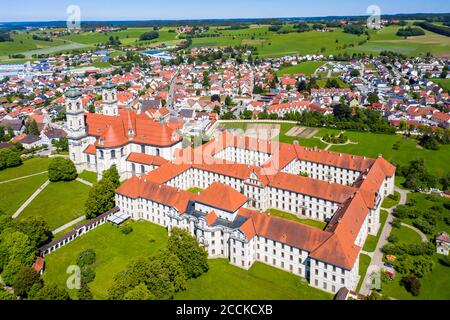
(388, 265)
(390, 274)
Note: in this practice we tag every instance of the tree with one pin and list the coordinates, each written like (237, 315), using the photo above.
(84, 294)
(86, 258)
(31, 128)
(112, 175)
(158, 280)
(140, 292)
(9, 158)
(412, 284)
(373, 98)
(61, 144)
(24, 280)
(61, 169)
(52, 292)
(147, 36)
(37, 230)
(16, 252)
(101, 198)
(193, 257)
(176, 272)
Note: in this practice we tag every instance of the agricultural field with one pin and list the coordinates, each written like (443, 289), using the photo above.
(272, 44)
(127, 37)
(386, 39)
(24, 42)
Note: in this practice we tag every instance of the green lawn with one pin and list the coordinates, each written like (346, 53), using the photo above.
(226, 282)
(364, 262)
(289, 216)
(24, 42)
(389, 203)
(322, 82)
(195, 190)
(114, 250)
(424, 203)
(372, 241)
(31, 166)
(307, 68)
(406, 235)
(444, 83)
(59, 203)
(435, 285)
(14, 194)
(89, 176)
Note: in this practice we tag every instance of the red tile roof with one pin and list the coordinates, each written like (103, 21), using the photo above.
(220, 196)
(146, 159)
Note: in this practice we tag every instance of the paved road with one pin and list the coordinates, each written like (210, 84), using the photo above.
(30, 199)
(68, 225)
(377, 257)
(24, 177)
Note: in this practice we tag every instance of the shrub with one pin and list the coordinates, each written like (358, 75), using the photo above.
(423, 226)
(87, 274)
(393, 238)
(396, 224)
(412, 284)
(127, 229)
(445, 260)
(61, 169)
(86, 258)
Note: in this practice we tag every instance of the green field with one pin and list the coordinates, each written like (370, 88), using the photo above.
(24, 42)
(307, 68)
(387, 40)
(226, 282)
(371, 242)
(114, 250)
(59, 203)
(14, 194)
(364, 262)
(272, 44)
(389, 203)
(289, 216)
(32, 166)
(322, 82)
(424, 203)
(89, 176)
(127, 37)
(406, 235)
(444, 83)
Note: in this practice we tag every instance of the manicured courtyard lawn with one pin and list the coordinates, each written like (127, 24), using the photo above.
(31, 166)
(289, 216)
(406, 235)
(89, 176)
(59, 203)
(14, 194)
(389, 203)
(364, 262)
(372, 241)
(114, 251)
(307, 68)
(226, 282)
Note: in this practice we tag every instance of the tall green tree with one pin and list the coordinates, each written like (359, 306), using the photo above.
(52, 292)
(193, 257)
(101, 198)
(140, 292)
(61, 169)
(24, 280)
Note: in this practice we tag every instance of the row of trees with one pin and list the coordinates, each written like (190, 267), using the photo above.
(410, 32)
(443, 30)
(161, 276)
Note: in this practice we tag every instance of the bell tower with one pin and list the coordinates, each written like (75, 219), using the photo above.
(109, 94)
(76, 123)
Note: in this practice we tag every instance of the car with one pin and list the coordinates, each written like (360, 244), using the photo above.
(390, 274)
(388, 265)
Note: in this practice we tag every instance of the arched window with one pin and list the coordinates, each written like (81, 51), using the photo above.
(158, 152)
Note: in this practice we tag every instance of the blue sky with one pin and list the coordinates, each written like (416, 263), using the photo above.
(46, 10)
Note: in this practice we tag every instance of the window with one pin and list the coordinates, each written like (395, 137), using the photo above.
(113, 154)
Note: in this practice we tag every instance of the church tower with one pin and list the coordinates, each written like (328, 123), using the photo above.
(76, 123)
(109, 105)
